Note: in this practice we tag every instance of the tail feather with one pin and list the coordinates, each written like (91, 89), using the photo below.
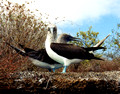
(97, 58)
(27, 50)
(101, 42)
(17, 50)
(94, 48)
(22, 46)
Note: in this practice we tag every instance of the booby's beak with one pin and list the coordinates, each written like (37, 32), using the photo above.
(70, 38)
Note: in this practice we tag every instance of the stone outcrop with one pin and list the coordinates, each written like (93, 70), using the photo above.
(32, 82)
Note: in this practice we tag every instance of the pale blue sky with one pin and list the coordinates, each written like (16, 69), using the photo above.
(104, 26)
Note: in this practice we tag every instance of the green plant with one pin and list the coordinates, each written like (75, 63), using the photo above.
(88, 38)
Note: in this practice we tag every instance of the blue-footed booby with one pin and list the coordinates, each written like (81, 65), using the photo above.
(40, 57)
(67, 54)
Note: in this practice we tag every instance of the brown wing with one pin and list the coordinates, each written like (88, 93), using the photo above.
(43, 56)
(71, 51)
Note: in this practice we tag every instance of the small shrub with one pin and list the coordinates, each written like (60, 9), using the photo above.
(95, 66)
(18, 25)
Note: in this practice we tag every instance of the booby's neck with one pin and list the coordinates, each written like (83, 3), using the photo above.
(49, 39)
(50, 52)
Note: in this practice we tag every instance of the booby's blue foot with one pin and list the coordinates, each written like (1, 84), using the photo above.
(53, 70)
(64, 69)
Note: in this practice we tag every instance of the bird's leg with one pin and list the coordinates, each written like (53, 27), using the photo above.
(53, 70)
(49, 70)
(64, 69)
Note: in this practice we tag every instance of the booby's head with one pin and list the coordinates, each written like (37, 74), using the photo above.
(52, 31)
(63, 38)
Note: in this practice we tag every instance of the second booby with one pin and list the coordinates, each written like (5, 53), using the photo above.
(67, 54)
(64, 38)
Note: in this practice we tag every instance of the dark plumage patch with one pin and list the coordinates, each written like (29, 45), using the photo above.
(40, 55)
(71, 51)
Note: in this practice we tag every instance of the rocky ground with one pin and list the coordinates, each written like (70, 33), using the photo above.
(32, 82)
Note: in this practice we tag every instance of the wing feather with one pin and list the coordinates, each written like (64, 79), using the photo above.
(71, 51)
